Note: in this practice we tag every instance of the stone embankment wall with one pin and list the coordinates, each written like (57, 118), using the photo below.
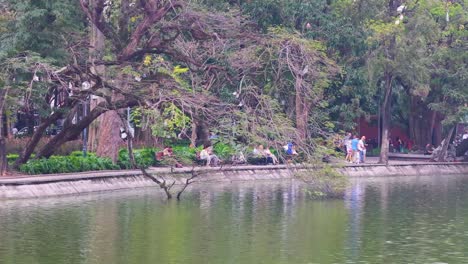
(66, 184)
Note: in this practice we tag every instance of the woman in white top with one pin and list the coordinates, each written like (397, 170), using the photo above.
(268, 154)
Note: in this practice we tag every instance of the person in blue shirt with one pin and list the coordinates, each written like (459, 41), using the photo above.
(289, 150)
(354, 146)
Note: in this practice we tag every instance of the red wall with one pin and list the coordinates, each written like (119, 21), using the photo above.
(370, 130)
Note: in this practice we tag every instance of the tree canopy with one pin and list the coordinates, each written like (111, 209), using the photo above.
(253, 71)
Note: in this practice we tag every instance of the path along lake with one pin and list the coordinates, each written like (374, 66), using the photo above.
(381, 220)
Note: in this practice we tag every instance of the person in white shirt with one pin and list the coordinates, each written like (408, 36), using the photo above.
(207, 154)
(362, 149)
(465, 136)
(349, 149)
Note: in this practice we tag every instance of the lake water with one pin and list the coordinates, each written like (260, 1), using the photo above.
(391, 220)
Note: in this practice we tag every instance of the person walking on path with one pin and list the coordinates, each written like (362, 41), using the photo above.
(354, 147)
(348, 136)
(362, 149)
(349, 149)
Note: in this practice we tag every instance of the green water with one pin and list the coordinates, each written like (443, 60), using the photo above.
(393, 220)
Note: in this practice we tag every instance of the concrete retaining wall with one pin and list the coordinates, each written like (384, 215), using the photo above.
(405, 170)
(66, 184)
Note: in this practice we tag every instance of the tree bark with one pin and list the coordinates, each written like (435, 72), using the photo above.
(203, 133)
(302, 110)
(96, 51)
(3, 159)
(422, 122)
(386, 116)
(73, 131)
(32, 143)
(109, 140)
(442, 154)
(193, 137)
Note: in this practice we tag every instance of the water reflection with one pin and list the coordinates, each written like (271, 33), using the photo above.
(392, 220)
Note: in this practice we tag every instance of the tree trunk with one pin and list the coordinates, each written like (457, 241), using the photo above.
(437, 130)
(96, 51)
(73, 131)
(422, 123)
(302, 112)
(109, 140)
(441, 156)
(3, 159)
(32, 143)
(193, 137)
(386, 116)
(203, 133)
(8, 126)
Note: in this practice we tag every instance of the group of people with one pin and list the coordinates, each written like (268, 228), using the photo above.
(398, 145)
(168, 152)
(211, 159)
(261, 152)
(206, 154)
(355, 148)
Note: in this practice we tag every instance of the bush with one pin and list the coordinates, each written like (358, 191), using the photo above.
(375, 152)
(11, 158)
(186, 155)
(224, 151)
(66, 164)
(144, 157)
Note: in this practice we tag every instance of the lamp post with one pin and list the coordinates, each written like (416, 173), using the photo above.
(85, 86)
(85, 130)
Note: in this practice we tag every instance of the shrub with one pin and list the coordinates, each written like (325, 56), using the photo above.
(66, 164)
(144, 157)
(224, 151)
(11, 158)
(375, 152)
(185, 154)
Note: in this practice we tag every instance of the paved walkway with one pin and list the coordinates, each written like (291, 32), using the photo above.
(44, 178)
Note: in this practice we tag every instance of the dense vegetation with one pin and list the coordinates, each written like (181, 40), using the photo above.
(254, 72)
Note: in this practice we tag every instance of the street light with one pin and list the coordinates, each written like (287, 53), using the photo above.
(85, 86)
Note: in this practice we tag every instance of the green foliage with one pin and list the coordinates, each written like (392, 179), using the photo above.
(42, 26)
(144, 158)
(67, 164)
(163, 124)
(224, 151)
(342, 50)
(11, 158)
(375, 152)
(185, 154)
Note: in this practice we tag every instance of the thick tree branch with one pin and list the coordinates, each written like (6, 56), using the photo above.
(152, 16)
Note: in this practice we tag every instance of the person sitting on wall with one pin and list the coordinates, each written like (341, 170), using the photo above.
(271, 158)
(465, 135)
(259, 156)
(429, 149)
(208, 155)
(290, 149)
(259, 151)
(167, 152)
